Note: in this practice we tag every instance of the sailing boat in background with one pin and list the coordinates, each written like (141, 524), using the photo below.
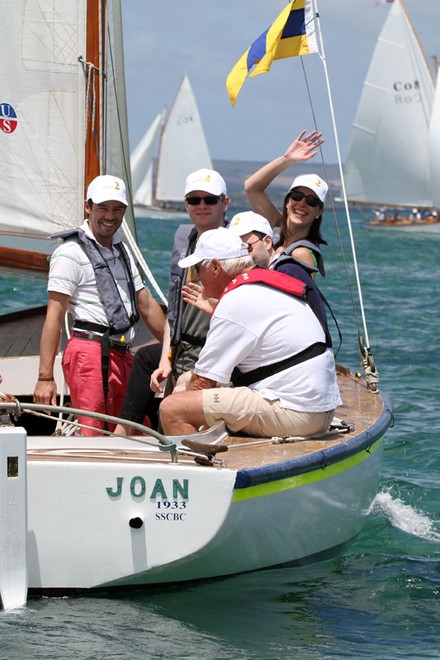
(182, 149)
(387, 164)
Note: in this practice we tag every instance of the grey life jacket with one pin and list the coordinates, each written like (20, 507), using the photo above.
(119, 321)
(185, 240)
(184, 243)
(314, 247)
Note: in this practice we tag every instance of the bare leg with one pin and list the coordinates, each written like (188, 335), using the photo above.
(123, 430)
(182, 413)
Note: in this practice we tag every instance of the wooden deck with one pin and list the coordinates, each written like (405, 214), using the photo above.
(20, 336)
(361, 408)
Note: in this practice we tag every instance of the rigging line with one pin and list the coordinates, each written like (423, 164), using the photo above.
(344, 193)
(125, 160)
(141, 261)
(335, 217)
(12, 406)
(93, 74)
(90, 71)
(101, 142)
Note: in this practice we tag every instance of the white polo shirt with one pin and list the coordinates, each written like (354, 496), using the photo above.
(255, 325)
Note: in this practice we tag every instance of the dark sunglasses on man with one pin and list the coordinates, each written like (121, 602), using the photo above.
(311, 200)
(194, 200)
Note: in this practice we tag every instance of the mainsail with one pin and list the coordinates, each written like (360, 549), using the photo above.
(387, 162)
(63, 114)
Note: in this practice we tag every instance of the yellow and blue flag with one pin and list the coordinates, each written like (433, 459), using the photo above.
(291, 34)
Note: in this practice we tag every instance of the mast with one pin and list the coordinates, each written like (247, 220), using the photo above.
(95, 93)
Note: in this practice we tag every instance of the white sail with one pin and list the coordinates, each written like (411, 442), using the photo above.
(41, 173)
(434, 146)
(142, 164)
(43, 117)
(183, 146)
(387, 162)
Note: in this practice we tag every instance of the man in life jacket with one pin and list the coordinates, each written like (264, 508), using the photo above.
(265, 339)
(94, 278)
(206, 202)
(256, 231)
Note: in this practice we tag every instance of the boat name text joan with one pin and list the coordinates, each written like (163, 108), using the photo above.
(138, 489)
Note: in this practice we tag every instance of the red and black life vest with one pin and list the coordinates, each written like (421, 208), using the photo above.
(294, 287)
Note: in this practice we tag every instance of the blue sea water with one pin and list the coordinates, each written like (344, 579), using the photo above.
(381, 599)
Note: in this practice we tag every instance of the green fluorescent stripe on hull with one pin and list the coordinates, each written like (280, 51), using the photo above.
(303, 479)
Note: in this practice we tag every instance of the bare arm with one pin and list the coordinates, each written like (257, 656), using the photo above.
(200, 383)
(305, 255)
(151, 312)
(303, 148)
(164, 369)
(46, 390)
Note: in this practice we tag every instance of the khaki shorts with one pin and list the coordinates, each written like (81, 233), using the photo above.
(244, 410)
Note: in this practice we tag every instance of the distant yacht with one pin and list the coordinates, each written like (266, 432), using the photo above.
(388, 162)
(158, 192)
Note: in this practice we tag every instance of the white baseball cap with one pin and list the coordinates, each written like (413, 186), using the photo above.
(216, 244)
(248, 221)
(312, 181)
(106, 188)
(208, 181)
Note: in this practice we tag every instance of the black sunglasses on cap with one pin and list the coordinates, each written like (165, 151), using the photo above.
(194, 200)
(311, 200)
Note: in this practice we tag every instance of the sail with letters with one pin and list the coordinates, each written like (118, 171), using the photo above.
(182, 149)
(386, 165)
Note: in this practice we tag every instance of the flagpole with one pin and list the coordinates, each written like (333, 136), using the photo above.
(341, 173)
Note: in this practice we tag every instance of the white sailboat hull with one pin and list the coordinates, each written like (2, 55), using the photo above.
(196, 522)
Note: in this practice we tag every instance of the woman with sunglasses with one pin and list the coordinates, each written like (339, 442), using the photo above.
(301, 217)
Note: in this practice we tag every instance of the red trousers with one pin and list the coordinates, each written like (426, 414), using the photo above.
(82, 371)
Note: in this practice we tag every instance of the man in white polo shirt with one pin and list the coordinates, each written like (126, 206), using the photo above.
(266, 339)
(94, 278)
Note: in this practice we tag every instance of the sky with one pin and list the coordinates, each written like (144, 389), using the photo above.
(163, 39)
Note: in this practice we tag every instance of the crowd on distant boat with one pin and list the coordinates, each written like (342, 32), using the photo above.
(390, 216)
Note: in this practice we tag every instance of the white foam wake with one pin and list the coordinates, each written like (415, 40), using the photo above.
(405, 517)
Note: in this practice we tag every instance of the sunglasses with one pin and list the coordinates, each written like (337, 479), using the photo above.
(251, 245)
(311, 200)
(211, 200)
